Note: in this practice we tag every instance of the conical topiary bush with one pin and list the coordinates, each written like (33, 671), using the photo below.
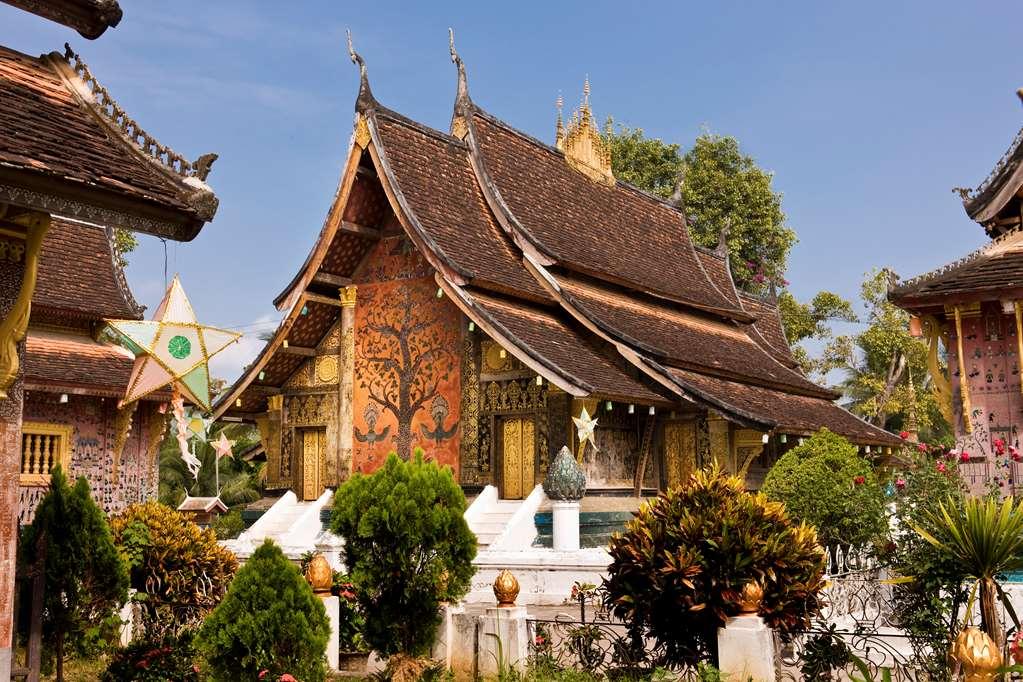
(270, 620)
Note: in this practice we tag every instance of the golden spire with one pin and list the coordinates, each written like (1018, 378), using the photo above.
(559, 128)
(585, 150)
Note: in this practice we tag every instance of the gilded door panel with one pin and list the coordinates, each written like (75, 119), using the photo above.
(313, 441)
(518, 445)
(679, 451)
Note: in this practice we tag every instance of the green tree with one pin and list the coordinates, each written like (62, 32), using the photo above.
(270, 620)
(720, 187)
(86, 580)
(407, 547)
(240, 481)
(125, 242)
(825, 483)
(812, 322)
(885, 368)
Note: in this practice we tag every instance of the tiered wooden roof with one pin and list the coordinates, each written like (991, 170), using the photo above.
(68, 149)
(91, 18)
(80, 282)
(594, 285)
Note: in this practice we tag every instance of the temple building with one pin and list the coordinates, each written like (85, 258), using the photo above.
(68, 150)
(73, 380)
(472, 290)
(971, 311)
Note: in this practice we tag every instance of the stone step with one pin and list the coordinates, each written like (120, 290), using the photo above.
(484, 539)
(487, 526)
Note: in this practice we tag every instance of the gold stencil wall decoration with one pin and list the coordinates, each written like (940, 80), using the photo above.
(679, 451)
(326, 369)
(493, 362)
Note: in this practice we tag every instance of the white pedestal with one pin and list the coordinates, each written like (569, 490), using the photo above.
(127, 616)
(566, 525)
(746, 649)
(506, 625)
(333, 606)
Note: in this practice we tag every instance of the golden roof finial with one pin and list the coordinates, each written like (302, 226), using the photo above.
(585, 150)
(559, 128)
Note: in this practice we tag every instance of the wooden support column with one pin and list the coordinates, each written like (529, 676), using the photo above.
(21, 237)
(346, 383)
(964, 386)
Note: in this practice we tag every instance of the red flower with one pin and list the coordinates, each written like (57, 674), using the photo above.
(288, 677)
(903, 435)
(941, 467)
(539, 640)
(900, 483)
(964, 456)
(859, 480)
(999, 443)
(922, 447)
(262, 674)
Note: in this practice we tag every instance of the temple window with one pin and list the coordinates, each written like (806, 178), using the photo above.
(43, 447)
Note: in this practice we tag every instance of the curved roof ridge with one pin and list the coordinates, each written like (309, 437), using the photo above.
(73, 69)
(971, 197)
(989, 249)
(119, 276)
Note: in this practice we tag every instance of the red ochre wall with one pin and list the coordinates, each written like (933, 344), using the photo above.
(407, 360)
(992, 365)
(92, 443)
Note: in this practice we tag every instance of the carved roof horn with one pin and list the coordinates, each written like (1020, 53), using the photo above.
(365, 99)
(463, 81)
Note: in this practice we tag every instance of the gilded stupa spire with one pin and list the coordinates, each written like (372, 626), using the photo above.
(585, 150)
(559, 128)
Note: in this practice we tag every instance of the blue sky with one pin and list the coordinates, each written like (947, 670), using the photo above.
(868, 113)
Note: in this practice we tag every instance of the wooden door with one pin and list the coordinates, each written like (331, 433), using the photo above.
(314, 442)
(679, 451)
(518, 457)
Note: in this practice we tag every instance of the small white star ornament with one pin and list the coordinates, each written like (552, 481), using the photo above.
(585, 426)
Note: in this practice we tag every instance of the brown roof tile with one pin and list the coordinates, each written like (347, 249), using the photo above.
(716, 267)
(576, 353)
(78, 275)
(60, 363)
(682, 337)
(46, 129)
(768, 330)
(434, 175)
(784, 412)
(616, 233)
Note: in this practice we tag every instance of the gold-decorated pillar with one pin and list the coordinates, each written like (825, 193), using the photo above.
(270, 425)
(21, 238)
(346, 383)
(720, 447)
(964, 382)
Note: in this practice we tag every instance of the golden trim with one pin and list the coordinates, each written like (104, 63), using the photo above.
(940, 385)
(362, 135)
(964, 386)
(585, 150)
(63, 434)
(347, 295)
(14, 326)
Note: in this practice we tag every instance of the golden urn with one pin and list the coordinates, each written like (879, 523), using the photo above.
(977, 654)
(506, 588)
(318, 574)
(752, 595)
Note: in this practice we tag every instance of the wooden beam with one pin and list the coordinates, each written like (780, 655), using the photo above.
(299, 350)
(367, 171)
(362, 230)
(320, 298)
(331, 279)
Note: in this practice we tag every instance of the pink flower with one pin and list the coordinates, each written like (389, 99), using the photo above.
(999, 443)
(288, 677)
(539, 640)
(262, 674)
(859, 480)
(903, 435)
(922, 447)
(759, 278)
(900, 483)
(941, 467)
(964, 456)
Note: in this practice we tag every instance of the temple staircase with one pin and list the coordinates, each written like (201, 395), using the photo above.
(490, 523)
(295, 526)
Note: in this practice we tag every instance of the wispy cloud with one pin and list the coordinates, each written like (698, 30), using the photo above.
(230, 362)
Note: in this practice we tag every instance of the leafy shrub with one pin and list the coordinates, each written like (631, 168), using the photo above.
(172, 658)
(270, 620)
(678, 570)
(227, 526)
(86, 580)
(825, 483)
(927, 606)
(351, 620)
(179, 570)
(408, 548)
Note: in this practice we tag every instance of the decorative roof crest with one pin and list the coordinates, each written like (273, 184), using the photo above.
(365, 99)
(968, 194)
(114, 117)
(1010, 241)
(459, 125)
(585, 150)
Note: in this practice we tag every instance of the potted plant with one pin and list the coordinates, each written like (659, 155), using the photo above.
(353, 653)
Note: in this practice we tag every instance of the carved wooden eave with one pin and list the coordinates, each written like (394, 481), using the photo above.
(225, 402)
(29, 227)
(91, 18)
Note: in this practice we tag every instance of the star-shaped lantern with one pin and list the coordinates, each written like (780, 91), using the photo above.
(171, 349)
(222, 446)
(585, 426)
